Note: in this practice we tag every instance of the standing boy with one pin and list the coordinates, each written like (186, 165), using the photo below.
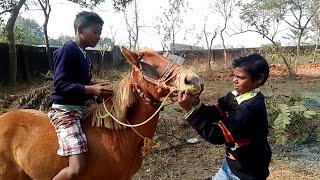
(238, 120)
(72, 88)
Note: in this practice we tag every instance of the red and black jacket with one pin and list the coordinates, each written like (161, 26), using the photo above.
(244, 130)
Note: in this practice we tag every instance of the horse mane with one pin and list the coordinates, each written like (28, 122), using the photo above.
(118, 106)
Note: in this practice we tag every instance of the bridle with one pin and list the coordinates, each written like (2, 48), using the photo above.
(146, 95)
(161, 82)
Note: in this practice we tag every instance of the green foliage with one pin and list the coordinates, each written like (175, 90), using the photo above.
(105, 44)
(26, 31)
(262, 14)
(271, 52)
(318, 135)
(6, 6)
(292, 119)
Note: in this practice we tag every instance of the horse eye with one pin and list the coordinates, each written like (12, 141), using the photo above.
(149, 70)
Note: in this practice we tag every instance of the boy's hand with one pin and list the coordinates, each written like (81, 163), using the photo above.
(99, 90)
(186, 100)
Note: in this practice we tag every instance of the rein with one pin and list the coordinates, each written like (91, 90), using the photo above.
(140, 124)
(161, 82)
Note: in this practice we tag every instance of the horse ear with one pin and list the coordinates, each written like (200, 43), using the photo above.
(131, 57)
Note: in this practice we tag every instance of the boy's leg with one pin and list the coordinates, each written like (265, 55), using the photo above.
(77, 165)
(71, 139)
(224, 173)
(221, 174)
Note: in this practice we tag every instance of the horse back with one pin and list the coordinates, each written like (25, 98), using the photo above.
(29, 143)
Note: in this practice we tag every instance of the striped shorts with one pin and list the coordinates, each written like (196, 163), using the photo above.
(67, 125)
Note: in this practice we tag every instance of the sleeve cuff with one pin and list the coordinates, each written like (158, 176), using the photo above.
(193, 110)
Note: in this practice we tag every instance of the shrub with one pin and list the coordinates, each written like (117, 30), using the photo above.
(294, 118)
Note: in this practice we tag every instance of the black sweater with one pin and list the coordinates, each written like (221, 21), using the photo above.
(245, 121)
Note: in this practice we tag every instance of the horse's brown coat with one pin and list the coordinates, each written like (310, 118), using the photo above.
(28, 142)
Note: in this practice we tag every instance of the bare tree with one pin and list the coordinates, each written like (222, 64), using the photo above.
(113, 34)
(133, 28)
(225, 9)
(46, 8)
(169, 24)
(315, 10)
(209, 37)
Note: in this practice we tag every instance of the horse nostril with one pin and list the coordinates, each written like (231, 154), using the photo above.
(188, 80)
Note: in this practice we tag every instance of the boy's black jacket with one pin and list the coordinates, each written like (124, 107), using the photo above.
(245, 121)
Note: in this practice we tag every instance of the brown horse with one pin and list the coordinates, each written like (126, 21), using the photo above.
(28, 142)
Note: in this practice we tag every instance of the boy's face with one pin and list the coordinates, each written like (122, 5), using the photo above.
(90, 35)
(242, 81)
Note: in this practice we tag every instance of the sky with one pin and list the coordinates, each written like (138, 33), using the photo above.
(64, 12)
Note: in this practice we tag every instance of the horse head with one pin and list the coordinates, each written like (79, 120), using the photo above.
(155, 76)
(152, 78)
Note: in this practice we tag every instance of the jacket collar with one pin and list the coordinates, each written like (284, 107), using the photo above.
(248, 95)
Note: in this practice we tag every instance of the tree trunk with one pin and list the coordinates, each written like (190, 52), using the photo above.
(291, 73)
(46, 8)
(224, 51)
(223, 43)
(26, 66)
(209, 59)
(316, 48)
(315, 53)
(136, 44)
(298, 51)
(173, 40)
(11, 43)
(46, 41)
(12, 54)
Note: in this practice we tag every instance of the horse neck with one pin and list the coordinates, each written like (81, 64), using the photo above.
(139, 113)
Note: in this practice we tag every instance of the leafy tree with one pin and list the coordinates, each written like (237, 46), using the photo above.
(301, 12)
(13, 7)
(26, 31)
(315, 21)
(263, 17)
(32, 30)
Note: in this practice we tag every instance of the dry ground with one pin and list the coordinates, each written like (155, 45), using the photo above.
(174, 158)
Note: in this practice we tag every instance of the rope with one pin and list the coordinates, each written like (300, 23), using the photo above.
(140, 124)
(156, 112)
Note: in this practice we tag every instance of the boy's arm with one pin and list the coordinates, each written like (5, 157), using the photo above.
(64, 71)
(204, 122)
(223, 103)
(99, 90)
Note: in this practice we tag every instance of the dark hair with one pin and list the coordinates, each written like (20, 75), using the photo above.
(255, 65)
(85, 19)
